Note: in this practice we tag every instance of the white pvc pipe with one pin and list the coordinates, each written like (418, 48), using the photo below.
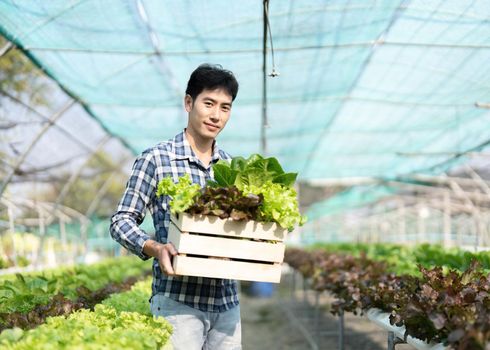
(382, 319)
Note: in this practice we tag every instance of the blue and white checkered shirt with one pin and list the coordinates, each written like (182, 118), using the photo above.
(172, 158)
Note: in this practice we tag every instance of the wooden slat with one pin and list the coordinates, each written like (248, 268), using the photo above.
(213, 268)
(228, 227)
(225, 247)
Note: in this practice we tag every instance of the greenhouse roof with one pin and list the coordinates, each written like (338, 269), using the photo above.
(367, 89)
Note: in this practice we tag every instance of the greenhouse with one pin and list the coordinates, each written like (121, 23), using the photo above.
(345, 205)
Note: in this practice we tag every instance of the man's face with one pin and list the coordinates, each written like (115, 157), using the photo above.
(208, 113)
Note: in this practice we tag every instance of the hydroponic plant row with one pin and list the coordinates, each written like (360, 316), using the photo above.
(452, 308)
(27, 301)
(123, 321)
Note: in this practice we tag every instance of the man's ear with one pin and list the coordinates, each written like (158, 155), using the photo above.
(188, 103)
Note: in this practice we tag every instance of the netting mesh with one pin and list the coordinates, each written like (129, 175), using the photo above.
(352, 198)
(366, 88)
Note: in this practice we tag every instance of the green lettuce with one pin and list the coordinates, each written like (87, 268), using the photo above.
(183, 193)
(254, 171)
(123, 321)
(255, 188)
(263, 177)
(279, 204)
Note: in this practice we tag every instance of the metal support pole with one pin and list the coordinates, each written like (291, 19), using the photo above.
(394, 340)
(391, 341)
(84, 236)
(304, 291)
(317, 317)
(263, 136)
(293, 284)
(341, 329)
(12, 233)
(477, 219)
(402, 223)
(373, 228)
(422, 222)
(22, 157)
(63, 237)
(42, 233)
(447, 220)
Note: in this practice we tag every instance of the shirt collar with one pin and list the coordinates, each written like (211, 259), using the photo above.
(182, 149)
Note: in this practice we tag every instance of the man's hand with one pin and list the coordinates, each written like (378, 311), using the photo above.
(163, 252)
(164, 258)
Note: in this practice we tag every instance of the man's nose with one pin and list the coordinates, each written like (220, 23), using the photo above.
(216, 114)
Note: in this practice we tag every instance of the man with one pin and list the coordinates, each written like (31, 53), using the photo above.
(204, 312)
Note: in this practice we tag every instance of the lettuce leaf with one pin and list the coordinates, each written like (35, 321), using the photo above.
(279, 204)
(183, 193)
(255, 188)
(254, 171)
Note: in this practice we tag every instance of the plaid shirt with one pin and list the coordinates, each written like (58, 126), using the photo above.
(172, 158)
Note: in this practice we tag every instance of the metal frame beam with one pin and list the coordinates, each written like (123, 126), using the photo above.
(55, 117)
(76, 174)
(102, 190)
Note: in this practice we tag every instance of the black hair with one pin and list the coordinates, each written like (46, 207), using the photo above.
(211, 77)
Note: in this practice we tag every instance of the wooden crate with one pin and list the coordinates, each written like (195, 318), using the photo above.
(212, 247)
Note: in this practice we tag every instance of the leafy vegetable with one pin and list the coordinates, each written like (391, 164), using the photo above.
(135, 300)
(403, 259)
(103, 328)
(122, 322)
(256, 188)
(227, 202)
(254, 171)
(263, 177)
(452, 308)
(280, 204)
(182, 193)
(23, 293)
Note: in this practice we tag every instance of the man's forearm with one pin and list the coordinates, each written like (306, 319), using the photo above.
(152, 248)
(163, 252)
(125, 230)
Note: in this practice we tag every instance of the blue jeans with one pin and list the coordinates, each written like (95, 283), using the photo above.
(195, 329)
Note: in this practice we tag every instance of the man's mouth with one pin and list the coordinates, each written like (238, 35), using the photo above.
(211, 126)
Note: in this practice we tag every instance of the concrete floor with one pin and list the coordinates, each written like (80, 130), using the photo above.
(287, 320)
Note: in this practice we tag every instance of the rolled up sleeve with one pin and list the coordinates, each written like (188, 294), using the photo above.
(140, 190)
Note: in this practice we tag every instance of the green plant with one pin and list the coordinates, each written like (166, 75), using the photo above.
(103, 328)
(440, 306)
(122, 321)
(182, 193)
(256, 188)
(24, 292)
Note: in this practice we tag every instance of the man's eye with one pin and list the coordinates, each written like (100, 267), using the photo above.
(208, 104)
